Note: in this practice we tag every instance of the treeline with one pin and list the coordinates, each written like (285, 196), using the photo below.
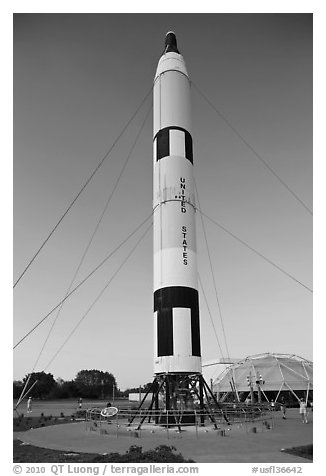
(94, 384)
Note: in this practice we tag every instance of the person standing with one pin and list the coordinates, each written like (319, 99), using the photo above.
(29, 405)
(303, 411)
(80, 403)
(283, 408)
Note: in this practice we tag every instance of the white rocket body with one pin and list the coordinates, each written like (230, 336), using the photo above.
(176, 311)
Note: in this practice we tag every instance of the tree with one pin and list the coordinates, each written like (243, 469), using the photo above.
(144, 388)
(45, 384)
(18, 387)
(66, 389)
(95, 383)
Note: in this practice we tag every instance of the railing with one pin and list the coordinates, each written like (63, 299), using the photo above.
(173, 423)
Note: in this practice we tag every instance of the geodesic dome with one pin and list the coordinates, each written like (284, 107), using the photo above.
(271, 372)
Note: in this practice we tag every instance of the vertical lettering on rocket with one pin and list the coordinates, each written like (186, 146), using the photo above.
(183, 189)
(184, 245)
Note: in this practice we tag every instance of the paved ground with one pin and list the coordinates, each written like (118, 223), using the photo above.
(239, 445)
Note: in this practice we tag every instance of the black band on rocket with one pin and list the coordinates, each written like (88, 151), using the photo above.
(173, 141)
(173, 297)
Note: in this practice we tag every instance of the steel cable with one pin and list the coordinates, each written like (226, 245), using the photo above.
(83, 187)
(252, 149)
(84, 280)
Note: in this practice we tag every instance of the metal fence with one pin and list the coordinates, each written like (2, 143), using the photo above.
(138, 423)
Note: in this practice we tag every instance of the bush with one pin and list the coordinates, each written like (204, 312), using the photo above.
(135, 454)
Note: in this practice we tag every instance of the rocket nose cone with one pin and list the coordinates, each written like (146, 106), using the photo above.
(171, 43)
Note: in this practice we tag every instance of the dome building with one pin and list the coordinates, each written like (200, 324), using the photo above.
(266, 377)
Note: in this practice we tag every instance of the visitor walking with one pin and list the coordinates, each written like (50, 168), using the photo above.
(80, 403)
(303, 411)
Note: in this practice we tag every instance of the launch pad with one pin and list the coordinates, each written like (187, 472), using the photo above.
(179, 399)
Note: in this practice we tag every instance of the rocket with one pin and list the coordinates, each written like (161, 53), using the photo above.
(177, 356)
(176, 308)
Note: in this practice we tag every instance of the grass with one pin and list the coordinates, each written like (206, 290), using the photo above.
(303, 451)
(24, 453)
(23, 423)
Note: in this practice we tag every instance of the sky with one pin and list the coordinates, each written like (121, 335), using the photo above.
(77, 80)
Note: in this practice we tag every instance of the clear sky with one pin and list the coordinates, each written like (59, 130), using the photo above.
(78, 78)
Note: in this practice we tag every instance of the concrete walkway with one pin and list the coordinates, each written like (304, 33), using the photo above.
(239, 445)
